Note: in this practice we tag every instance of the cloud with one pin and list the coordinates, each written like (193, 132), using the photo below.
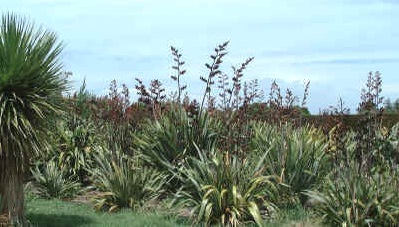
(331, 43)
(348, 61)
(391, 89)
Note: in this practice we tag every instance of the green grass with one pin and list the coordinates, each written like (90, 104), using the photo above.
(59, 213)
(294, 217)
(41, 212)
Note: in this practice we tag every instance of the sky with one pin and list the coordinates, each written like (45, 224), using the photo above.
(333, 44)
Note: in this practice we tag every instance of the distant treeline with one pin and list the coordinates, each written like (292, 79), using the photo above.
(351, 121)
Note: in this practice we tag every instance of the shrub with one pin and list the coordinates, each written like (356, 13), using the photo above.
(297, 155)
(350, 198)
(53, 181)
(387, 146)
(220, 188)
(355, 194)
(124, 182)
(167, 142)
(74, 141)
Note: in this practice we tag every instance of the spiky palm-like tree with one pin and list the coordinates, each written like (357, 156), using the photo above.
(31, 84)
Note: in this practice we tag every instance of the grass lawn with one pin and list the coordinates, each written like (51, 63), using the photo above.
(42, 212)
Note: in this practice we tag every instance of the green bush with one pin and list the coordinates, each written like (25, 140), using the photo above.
(168, 141)
(219, 188)
(53, 181)
(387, 146)
(350, 198)
(73, 142)
(124, 182)
(297, 155)
(356, 195)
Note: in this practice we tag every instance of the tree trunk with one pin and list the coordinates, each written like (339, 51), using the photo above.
(11, 191)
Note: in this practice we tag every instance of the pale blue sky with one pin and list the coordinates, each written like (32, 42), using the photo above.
(334, 43)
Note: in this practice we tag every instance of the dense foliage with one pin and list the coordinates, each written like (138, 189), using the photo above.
(235, 158)
(233, 164)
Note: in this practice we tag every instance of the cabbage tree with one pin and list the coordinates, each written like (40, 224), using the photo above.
(31, 84)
